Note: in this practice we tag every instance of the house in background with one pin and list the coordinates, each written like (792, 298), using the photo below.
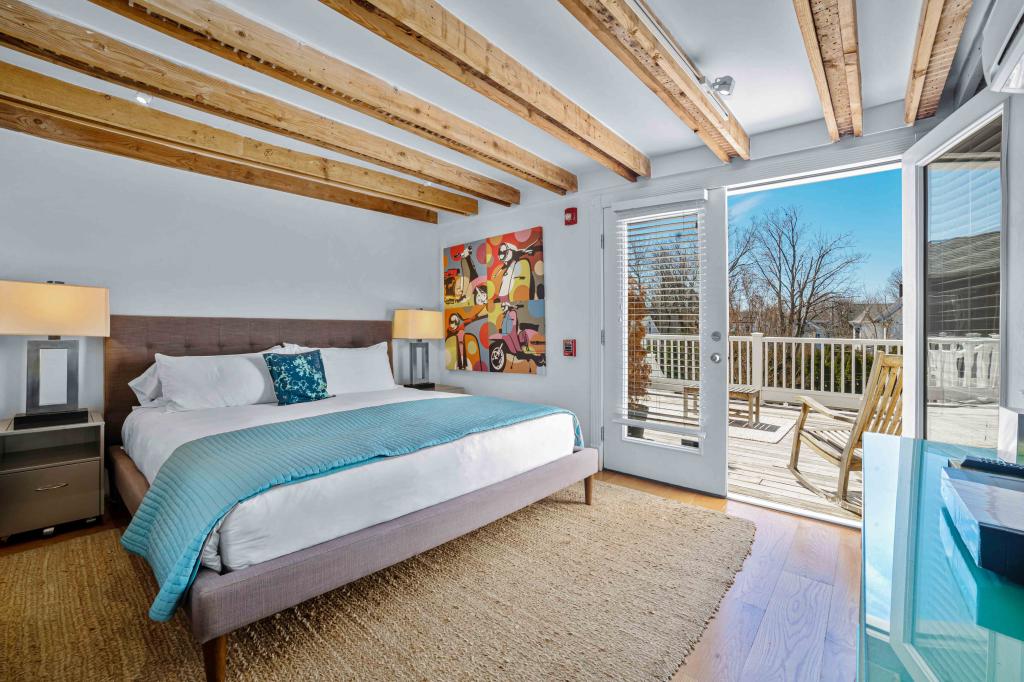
(877, 320)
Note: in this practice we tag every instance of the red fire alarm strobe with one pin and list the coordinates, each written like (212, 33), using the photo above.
(570, 216)
(569, 348)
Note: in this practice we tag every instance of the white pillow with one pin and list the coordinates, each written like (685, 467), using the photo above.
(293, 349)
(147, 387)
(198, 382)
(353, 370)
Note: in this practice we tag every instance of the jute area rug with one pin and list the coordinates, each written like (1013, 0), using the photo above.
(620, 590)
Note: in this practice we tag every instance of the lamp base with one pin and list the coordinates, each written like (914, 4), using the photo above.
(419, 374)
(38, 420)
(423, 386)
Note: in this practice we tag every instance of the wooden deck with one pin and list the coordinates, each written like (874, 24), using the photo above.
(759, 470)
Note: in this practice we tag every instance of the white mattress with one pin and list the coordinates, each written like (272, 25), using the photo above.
(292, 517)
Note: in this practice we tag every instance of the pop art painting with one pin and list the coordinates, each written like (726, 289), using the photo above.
(494, 304)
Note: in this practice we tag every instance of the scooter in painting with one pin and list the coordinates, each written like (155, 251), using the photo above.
(522, 341)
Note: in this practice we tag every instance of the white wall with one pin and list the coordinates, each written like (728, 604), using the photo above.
(168, 242)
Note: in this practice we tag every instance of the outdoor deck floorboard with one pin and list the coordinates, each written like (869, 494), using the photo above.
(760, 470)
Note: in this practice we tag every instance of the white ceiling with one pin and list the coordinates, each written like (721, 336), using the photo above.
(756, 41)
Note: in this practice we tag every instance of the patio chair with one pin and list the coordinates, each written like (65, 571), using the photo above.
(840, 442)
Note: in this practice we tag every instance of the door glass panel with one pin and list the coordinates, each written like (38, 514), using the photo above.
(661, 347)
(963, 223)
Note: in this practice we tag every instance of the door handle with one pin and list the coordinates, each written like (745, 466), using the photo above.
(55, 486)
(716, 358)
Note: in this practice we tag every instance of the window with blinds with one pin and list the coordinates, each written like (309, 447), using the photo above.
(661, 282)
(964, 223)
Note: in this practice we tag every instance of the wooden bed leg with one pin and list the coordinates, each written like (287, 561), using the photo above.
(588, 489)
(215, 658)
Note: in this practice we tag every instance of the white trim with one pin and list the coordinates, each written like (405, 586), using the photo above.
(795, 511)
(660, 200)
(661, 426)
(837, 173)
(1013, 255)
(590, 211)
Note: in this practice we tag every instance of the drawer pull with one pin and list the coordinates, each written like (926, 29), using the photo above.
(51, 487)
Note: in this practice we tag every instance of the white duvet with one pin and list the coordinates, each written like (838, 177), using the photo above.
(292, 517)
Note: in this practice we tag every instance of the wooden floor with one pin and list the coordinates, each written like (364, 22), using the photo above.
(792, 613)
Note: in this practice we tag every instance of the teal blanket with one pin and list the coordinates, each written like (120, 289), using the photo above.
(202, 480)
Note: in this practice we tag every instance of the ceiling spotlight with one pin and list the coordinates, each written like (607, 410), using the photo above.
(724, 85)
(143, 99)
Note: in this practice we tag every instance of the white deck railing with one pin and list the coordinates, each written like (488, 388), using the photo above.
(834, 371)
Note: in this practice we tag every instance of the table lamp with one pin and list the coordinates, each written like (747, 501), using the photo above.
(418, 326)
(53, 309)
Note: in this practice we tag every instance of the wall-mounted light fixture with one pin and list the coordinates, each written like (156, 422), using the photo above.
(724, 85)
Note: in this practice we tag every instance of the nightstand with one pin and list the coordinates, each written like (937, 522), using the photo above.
(50, 475)
(442, 388)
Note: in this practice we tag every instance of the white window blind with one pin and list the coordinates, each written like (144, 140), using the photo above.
(660, 285)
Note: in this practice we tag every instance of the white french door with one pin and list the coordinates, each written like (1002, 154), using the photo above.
(666, 331)
(957, 249)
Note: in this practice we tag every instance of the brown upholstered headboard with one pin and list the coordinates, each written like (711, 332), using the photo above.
(135, 339)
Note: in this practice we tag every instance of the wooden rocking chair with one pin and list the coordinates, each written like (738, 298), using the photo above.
(881, 411)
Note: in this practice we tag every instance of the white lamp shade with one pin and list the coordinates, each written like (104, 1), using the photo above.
(417, 324)
(38, 309)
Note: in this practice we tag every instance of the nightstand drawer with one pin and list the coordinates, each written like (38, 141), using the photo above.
(39, 498)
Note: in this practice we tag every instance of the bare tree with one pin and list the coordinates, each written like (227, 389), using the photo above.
(743, 299)
(741, 245)
(802, 273)
(894, 285)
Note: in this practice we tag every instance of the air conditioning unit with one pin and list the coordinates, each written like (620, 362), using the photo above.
(1002, 46)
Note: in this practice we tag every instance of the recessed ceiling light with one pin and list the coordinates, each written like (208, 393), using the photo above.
(143, 99)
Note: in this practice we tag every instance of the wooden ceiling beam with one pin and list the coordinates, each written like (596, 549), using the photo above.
(47, 37)
(829, 32)
(851, 62)
(938, 35)
(50, 108)
(629, 37)
(223, 32)
(426, 30)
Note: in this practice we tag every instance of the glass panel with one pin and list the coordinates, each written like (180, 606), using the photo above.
(661, 299)
(963, 222)
(927, 604)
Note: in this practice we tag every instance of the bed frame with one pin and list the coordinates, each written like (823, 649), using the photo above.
(216, 603)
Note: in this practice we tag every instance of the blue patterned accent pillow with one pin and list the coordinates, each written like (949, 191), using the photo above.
(298, 378)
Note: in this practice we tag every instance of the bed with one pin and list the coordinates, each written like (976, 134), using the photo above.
(255, 563)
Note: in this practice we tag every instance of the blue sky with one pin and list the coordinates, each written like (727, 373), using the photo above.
(865, 206)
